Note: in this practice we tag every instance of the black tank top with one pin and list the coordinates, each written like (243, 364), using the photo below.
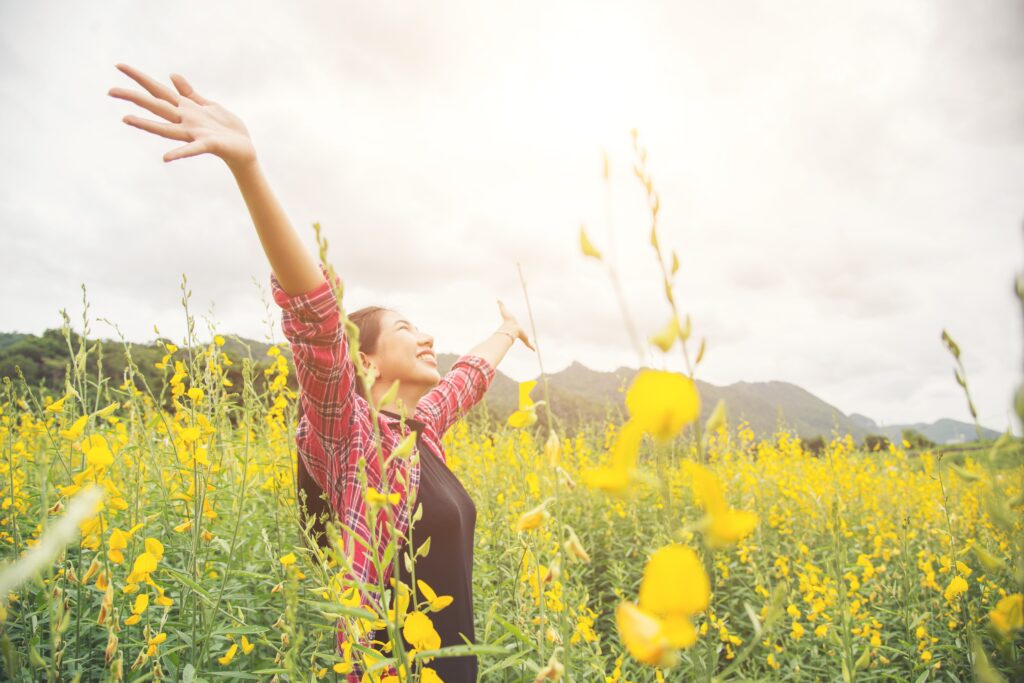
(449, 520)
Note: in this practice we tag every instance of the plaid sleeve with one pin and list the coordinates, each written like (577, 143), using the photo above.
(327, 376)
(458, 391)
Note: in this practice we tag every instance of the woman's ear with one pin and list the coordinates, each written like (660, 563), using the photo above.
(369, 365)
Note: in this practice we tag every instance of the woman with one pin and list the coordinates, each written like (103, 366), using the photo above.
(336, 425)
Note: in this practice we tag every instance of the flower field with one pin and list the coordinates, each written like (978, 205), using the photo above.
(662, 549)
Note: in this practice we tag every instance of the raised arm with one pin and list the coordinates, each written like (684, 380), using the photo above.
(310, 315)
(470, 377)
(209, 128)
(458, 391)
(326, 374)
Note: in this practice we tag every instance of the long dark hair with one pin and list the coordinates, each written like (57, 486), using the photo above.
(367, 320)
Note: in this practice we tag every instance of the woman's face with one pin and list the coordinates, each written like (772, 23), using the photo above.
(404, 353)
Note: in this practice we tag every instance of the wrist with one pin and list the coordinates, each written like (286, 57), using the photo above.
(505, 332)
(247, 168)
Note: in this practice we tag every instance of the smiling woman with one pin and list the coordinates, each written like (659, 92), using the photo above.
(338, 418)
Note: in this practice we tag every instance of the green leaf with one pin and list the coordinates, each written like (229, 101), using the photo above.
(182, 578)
(515, 630)
(462, 650)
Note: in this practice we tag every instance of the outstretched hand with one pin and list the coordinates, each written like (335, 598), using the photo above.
(205, 125)
(510, 325)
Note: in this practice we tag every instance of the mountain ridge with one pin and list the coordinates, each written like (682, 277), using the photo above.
(579, 394)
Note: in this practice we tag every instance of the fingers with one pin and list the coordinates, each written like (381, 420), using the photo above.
(186, 89)
(159, 107)
(154, 87)
(166, 130)
(190, 150)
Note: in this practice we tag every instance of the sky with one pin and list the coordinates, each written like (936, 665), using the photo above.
(841, 181)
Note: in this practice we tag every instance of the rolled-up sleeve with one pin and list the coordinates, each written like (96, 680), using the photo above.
(311, 323)
(458, 391)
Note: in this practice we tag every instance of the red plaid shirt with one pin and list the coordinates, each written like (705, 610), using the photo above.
(336, 427)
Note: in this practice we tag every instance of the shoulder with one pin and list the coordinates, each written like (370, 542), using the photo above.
(435, 444)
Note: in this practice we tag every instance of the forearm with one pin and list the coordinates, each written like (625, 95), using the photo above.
(494, 348)
(289, 259)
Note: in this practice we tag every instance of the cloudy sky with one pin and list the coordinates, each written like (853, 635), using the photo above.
(841, 180)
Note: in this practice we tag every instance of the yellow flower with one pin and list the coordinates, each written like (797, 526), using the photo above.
(662, 402)
(184, 526)
(957, 586)
(642, 635)
(153, 642)
(288, 560)
(532, 518)
(229, 655)
(144, 564)
(575, 548)
(163, 600)
(798, 631)
(674, 587)
(527, 413)
(190, 434)
(722, 525)
(616, 477)
(155, 548)
(730, 526)
(674, 582)
(1008, 616)
(419, 631)
(117, 542)
(196, 394)
(667, 336)
(76, 429)
(218, 340)
(58, 405)
(97, 453)
(586, 247)
(376, 499)
(437, 603)
(103, 412)
(141, 603)
(246, 645)
(428, 675)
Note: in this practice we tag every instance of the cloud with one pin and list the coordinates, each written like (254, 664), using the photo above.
(840, 181)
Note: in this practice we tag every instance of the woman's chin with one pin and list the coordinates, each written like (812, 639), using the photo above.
(430, 374)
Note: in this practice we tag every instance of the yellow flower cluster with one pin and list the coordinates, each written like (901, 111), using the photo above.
(674, 588)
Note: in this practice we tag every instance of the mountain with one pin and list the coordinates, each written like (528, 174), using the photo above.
(579, 396)
(940, 431)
